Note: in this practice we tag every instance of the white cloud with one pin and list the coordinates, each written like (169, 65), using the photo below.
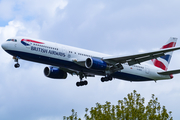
(10, 30)
(90, 14)
(42, 9)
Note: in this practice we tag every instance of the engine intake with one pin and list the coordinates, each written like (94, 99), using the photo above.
(55, 73)
(96, 64)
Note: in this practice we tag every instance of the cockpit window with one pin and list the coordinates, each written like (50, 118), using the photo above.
(14, 40)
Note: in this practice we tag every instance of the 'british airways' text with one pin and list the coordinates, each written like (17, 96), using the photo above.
(52, 52)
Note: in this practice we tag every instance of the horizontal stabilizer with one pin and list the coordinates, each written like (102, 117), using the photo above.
(169, 72)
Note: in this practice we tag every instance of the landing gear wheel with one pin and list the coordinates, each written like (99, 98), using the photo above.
(110, 78)
(17, 65)
(85, 82)
(105, 79)
(77, 84)
(82, 83)
(102, 79)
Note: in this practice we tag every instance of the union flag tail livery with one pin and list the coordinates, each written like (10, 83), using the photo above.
(163, 62)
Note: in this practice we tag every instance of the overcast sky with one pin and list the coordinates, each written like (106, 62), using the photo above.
(115, 27)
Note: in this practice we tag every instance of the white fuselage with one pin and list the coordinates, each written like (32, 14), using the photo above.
(68, 57)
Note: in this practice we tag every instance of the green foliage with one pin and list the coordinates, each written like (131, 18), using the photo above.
(131, 108)
(72, 117)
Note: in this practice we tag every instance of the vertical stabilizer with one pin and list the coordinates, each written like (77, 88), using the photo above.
(163, 62)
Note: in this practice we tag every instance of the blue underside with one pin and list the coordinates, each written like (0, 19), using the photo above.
(72, 65)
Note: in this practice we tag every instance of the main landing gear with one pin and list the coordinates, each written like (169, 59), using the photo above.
(105, 79)
(17, 65)
(81, 83)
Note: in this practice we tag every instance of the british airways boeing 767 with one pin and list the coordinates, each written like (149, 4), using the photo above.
(65, 59)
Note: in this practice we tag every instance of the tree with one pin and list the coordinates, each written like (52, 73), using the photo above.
(130, 108)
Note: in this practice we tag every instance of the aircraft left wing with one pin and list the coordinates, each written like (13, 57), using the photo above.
(139, 58)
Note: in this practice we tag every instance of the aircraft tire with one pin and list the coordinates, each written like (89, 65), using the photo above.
(82, 83)
(102, 79)
(85, 82)
(110, 78)
(77, 84)
(17, 65)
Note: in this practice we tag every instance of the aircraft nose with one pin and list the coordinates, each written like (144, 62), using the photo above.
(4, 46)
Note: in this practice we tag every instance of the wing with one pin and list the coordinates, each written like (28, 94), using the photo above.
(139, 58)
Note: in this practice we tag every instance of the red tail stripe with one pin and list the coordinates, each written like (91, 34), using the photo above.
(159, 64)
(172, 44)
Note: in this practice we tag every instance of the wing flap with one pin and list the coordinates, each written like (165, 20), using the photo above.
(169, 72)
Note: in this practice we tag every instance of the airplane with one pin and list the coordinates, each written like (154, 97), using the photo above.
(64, 60)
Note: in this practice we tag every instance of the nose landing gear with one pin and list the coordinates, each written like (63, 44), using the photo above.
(17, 65)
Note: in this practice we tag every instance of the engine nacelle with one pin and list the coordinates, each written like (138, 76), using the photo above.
(55, 73)
(96, 64)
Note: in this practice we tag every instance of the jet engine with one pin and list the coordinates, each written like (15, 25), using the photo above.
(56, 73)
(96, 64)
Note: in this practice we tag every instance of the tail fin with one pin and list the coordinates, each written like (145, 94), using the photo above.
(163, 62)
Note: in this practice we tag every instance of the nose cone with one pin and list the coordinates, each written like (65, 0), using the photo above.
(4, 46)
